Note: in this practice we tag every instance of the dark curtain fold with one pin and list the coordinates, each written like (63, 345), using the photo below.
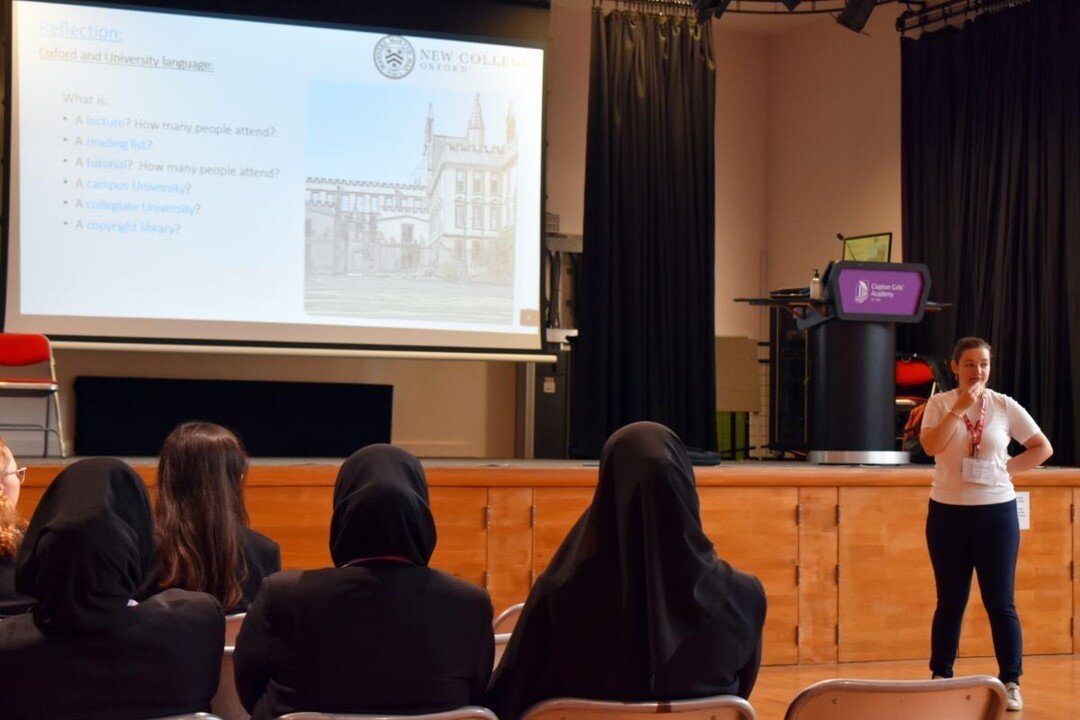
(991, 188)
(645, 284)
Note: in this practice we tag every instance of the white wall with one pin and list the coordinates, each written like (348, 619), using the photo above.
(833, 142)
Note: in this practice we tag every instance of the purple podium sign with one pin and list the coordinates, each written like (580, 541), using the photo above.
(881, 292)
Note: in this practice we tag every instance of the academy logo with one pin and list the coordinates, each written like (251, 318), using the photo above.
(862, 292)
(394, 57)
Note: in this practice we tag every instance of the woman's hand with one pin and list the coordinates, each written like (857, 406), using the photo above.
(967, 398)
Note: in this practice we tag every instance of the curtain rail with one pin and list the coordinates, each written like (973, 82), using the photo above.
(743, 7)
(932, 16)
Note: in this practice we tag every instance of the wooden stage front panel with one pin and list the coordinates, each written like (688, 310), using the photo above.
(840, 550)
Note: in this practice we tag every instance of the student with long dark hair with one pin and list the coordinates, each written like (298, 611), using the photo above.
(88, 650)
(380, 632)
(203, 539)
(635, 604)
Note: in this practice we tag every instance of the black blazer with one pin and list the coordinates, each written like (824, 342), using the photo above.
(263, 558)
(163, 658)
(379, 638)
(11, 602)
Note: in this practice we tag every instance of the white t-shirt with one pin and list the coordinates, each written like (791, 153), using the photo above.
(1005, 419)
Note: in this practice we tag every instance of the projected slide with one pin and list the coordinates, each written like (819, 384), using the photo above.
(201, 178)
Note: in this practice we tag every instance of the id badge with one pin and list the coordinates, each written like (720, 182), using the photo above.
(980, 472)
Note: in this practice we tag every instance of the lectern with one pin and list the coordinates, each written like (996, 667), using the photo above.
(852, 382)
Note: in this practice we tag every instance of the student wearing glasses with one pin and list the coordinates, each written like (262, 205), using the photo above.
(12, 529)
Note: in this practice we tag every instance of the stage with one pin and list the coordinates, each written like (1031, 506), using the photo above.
(840, 550)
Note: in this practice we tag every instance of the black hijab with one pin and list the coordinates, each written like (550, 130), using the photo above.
(633, 582)
(89, 545)
(381, 508)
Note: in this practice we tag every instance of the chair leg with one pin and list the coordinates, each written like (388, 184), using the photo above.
(45, 430)
(59, 424)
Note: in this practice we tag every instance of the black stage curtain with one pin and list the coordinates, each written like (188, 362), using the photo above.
(991, 186)
(645, 285)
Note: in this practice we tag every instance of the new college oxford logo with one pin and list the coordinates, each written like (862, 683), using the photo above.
(394, 57)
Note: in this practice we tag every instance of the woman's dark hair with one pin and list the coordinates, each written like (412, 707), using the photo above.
(200, 512)
(969, 343)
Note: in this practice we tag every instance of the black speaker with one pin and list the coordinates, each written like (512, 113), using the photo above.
(131, 416)
(856, 13)
(552, 416)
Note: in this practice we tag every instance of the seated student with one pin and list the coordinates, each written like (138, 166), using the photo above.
(380, 632)
(12, 528)
(203, 541)
(635, 604)
(88, 651)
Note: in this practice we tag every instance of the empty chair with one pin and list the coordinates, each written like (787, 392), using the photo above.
(507, 619)
(21, 351)
(979, 697)
(717, 707)
(471, 712)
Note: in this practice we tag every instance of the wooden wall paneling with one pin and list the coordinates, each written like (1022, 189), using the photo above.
(1075, 557)
(297, 518)
(1044, 595)
(754, 529)
(509, 545)
(557, 509)
(818, 556)
(461, 548)
(886, 591)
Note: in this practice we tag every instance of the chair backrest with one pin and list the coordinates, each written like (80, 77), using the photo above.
(501, 641)
(232, 627)
(979, 697)
(915, 372)
(507, 619)
(226, 701)
(17, 349)
(469, 712)
(717, 707)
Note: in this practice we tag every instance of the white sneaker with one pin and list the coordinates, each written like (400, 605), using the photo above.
(1013, 701)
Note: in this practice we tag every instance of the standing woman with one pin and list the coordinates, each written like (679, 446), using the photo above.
(12, 529)
(972, 523)
(203, 539)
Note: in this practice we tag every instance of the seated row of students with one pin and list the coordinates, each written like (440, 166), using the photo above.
(635, 605)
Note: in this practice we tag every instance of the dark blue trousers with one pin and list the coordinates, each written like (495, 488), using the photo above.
(984, 539)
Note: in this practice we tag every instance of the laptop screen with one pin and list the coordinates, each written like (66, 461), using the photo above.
(868, 248)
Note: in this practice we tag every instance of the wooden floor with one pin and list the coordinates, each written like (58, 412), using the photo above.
(1050, 686)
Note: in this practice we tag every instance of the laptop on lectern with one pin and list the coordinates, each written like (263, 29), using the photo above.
(868, 248)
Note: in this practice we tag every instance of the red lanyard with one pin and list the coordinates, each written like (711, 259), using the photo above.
(975, 432)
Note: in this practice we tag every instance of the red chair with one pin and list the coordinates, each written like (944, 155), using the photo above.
(22, 350)
(915, 382)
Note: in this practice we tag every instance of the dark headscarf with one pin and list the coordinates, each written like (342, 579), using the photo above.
(381, 508)
(88, 548)
(634, 580)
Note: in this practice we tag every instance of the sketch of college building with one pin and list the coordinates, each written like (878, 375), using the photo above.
(455, 224)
